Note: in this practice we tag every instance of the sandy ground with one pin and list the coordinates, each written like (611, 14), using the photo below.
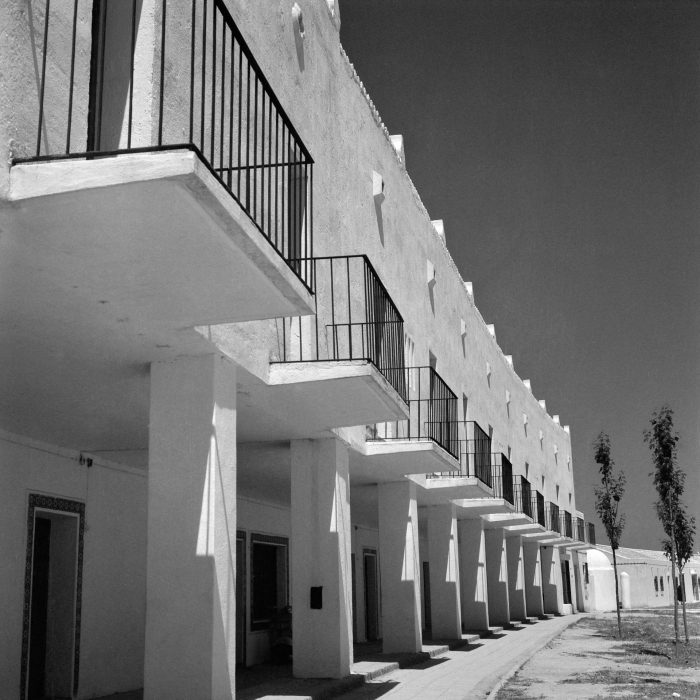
(582, 664)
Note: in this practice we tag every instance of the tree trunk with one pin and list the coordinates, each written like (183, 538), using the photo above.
(617, 597)
(673, 576)
(685, 618)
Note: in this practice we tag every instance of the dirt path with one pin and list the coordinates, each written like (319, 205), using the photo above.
(583, 662)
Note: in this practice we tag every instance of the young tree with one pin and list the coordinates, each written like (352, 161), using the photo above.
(684, 530)
(662, 440)
(607, 502)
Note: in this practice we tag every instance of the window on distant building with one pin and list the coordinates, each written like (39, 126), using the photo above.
(585, 573)
(269, 579)
(661, 582)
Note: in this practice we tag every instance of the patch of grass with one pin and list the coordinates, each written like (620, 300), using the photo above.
(650, 637)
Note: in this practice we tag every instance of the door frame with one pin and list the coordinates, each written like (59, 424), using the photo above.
(371, 553)
(37, 504)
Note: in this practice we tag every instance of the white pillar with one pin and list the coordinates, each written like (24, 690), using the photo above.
(533, 578)
(516, 583)
(320, 555)
(446, 615)
(191, 554)
(553, 599)
(399, 562)
(497, 575)
(474, 597)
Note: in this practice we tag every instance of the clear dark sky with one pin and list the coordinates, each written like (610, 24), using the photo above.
(560, 142)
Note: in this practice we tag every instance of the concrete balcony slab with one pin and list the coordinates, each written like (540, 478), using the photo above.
(390, 460)
(509, 521)
(155, 234)
(309, 399)
(524, 529)
(437, 491)
(479, 507)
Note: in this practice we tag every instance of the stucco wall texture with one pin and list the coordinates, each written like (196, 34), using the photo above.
(343, 131)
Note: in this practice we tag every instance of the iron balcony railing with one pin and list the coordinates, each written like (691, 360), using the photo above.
(355, 319)
(553, 520)
(502, 478)
(523, 495)
(195, 84)
(475, 453)
(591, 533)
(567, 528)
(539, 510)
(432, 412)
(580, 530)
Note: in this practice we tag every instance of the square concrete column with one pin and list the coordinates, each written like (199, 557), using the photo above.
(516, 579)
(321, 561)
(497, 576)
(552, 597)
(399, 566)
(445, 611)
(191, 552)
(474, 598)
(533, 578)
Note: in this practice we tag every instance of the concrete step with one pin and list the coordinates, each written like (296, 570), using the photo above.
(484, 634)
(514, 625)
(369, 670)
(530, 620)
(547, 616)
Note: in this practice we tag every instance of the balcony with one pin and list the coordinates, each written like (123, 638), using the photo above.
(553, 523)
(336, 368)
(591, 533)
(566, 529)
(171, 159)
(523, 495)
(580, 530)
(425, 441)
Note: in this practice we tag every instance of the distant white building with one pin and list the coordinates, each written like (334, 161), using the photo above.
(645, 579)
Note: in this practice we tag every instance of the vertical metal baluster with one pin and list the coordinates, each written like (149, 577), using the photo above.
(223, 92)
(204, 78)
(311, 222)
(269, 166)
(277, 169)
(212, 136)
(192, 42)
(240, 118)
(335, 343)
(72, 74)
(262, 165)
(247, 143)
(314, 264)
(162, 74)
(255, 151)
(230, 112)
(131, 72)
(347, 272)
(43, 77)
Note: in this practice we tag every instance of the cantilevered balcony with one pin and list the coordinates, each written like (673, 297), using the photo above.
(424, 442)
(522, 493)
(553, 522)
(539, 509)
(580, 529)
(167, 152)
(566, 529)
(338, 367)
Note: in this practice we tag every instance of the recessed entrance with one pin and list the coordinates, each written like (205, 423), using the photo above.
(371, 595)
(52, 597)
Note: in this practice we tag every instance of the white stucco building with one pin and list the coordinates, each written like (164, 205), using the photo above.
(644, 579)
(240, 369)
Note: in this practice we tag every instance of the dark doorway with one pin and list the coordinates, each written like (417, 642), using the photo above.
(371, 596)
(40, 601)
(426, 599)
(240, 598)
(566, 582)
(53, 587)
